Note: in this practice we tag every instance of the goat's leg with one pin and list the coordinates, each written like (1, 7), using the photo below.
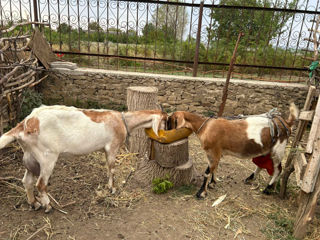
(274, 179)
(111, 153)
(46, 168)
(253, 176)
(213, 159)
(213, 175)
(28, 183)
(277, 155)
(203, 189)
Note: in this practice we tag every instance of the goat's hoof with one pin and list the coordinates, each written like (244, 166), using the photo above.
(268, 190)
(201, 194)
(112, 190)
(249, 179)
(48, 208)
(36, 205)
(211, 185)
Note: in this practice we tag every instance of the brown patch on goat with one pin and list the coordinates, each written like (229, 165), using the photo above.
(41, 186)
(17, 129)
(232, 136)
(32, 126)
(96, 116)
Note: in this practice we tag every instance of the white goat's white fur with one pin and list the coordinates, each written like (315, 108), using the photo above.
(70, 130)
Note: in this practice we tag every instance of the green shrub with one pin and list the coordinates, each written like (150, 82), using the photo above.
(161, 185)
(30, 99)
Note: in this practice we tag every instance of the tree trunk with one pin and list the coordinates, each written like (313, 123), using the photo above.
(141, 98)
(159, 160)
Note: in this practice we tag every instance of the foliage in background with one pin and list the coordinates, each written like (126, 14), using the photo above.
(161, 185)
(30, 99)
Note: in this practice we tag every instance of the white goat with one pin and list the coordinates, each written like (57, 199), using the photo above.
(51, 130)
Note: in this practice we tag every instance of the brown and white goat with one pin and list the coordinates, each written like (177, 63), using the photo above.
(51, 130)
(249, 137)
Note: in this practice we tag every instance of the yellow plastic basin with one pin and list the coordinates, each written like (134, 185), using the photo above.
(168, 136)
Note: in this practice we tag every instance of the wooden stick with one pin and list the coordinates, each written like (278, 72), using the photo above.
(54, 199)
(225, 89)
(36, 232)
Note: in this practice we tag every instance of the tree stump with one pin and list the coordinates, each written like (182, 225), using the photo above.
(141, 98)
(165, 159)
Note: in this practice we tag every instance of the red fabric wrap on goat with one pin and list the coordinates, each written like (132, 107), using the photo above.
(264, 162)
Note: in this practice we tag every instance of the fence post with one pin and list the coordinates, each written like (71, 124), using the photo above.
(35, 12)
(196, 56)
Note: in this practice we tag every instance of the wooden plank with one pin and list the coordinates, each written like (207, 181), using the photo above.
(313, 167)
(41, 49)
(306, 211)
(300, 164)
(306, 115)
(299, 133)
(314, 129)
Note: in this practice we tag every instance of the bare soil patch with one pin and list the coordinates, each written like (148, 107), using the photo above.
(134, 212)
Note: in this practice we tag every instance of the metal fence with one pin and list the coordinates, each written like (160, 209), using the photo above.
(161, 36)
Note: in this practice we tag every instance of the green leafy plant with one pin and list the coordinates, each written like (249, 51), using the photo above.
(30, 99)
(161, 185)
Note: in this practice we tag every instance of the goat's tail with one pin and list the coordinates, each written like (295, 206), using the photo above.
(294, 112)
(10, 136)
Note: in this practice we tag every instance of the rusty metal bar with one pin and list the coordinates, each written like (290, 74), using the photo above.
(35, 11)
(196, 56)
(181, 61)
(228, 6)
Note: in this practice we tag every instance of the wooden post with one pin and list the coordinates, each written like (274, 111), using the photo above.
(141, 98)
(307, 206)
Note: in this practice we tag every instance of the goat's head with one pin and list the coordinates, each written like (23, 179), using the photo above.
(176, 121)
(159, 121)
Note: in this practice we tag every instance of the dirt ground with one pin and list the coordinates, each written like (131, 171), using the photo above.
(88, 211)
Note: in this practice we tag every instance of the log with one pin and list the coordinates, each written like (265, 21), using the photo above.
(141, 98)
(158, 160)
(306, 211)
(172, 154)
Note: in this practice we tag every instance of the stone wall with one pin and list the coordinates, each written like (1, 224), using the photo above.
(202, 95)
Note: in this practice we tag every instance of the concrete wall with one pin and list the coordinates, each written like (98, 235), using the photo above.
(200, 95)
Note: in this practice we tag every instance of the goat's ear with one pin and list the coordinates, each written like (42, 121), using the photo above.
(156, 121)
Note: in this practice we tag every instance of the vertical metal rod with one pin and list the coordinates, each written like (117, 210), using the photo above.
(59, 26)
(69, 26)
(98, 20)
(196, 56)
(35, 11)
(49, 20)
(156, 38)
(225, 89)
(118, 6)
(78, 11)
(145, 43)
